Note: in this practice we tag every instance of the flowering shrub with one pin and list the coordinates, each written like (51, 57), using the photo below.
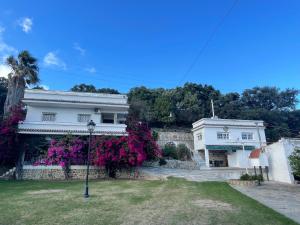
(112, 153)
(126, 152)
(141, 133)
(65, 152)
(9, 138)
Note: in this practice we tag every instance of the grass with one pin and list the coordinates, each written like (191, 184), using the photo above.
(175, 201)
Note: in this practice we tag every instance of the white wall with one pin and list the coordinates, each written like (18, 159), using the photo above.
(277, 154)
(199, 144)
(235, 133)
(239, 159)
(63, 115)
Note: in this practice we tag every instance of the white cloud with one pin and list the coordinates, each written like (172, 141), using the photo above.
(77, 47)
(51, 59)
(5, 49)
(91, 70)
(4, 70)
(26, 24)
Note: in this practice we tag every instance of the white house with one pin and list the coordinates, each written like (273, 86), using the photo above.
(277, 154)
(226, 142)
(59, 112)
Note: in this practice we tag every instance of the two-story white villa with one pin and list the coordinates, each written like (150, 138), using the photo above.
(226, 142)
(59, 112)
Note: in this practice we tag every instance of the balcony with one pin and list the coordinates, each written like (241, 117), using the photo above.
(56, 128)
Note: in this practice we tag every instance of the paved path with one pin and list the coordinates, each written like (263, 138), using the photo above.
(283, 198)
(195, 175)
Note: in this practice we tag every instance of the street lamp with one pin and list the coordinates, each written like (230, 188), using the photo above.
(91, 127)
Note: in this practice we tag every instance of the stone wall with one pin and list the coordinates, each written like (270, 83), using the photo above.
(76, 173)
(174, 164)
(177, 137)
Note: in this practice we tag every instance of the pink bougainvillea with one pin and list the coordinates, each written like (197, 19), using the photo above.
(128, 151)
(64, 152)
(8, 136)
(110, 152)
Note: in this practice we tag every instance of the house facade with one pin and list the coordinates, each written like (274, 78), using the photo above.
(60, 113)
(226, 142)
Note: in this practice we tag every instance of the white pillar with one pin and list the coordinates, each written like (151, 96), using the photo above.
(115, 118)
(206, 153)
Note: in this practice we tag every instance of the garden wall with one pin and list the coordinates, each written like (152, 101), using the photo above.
(177, 137)
(174, 164)
(76, 173)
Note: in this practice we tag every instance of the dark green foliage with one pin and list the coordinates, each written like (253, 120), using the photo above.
(180, 152)
(251, 177)
(155, 135)
(180, 107)
(162, 162)
(184, 152)
(91, 88)
(295, 162)
(170, 151)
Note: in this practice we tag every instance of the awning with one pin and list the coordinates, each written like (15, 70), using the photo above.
(229, 147)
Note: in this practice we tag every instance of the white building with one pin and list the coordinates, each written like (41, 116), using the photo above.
(59, 112)
(226, 142)
(277, 154)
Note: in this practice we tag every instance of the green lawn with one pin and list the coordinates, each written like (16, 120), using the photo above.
(175, 201)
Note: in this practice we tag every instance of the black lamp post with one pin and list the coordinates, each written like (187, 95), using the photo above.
(91, 127)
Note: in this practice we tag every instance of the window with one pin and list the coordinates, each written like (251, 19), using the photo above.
(107, 118)
(121, 118)
(223, 135)
(83, 118)
(199, 136)
(247, 136)
(48, 116)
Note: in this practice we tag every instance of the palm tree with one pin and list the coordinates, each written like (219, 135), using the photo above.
(24, 72)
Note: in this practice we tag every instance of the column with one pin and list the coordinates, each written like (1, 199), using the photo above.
(206, 153)
(115, 118)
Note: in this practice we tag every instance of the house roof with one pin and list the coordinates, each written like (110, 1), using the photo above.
(255, 153)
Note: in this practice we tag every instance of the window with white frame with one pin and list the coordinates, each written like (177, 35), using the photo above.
(223, 135)
(121, 118)
(107, 117)
(48, 116)
(199, 136)
(83, 118)
(247, 136)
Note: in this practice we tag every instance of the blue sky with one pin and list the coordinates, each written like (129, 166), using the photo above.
(122, 44)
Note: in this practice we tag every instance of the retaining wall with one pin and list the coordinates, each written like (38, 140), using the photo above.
(76, 173)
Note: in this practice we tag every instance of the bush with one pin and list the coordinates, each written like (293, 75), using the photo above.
(170, 151)
(162, 162)
(295, 162)
(181, 152)
(184, 153)
(251, 177)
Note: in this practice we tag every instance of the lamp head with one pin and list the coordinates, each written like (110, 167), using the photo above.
(91, 126)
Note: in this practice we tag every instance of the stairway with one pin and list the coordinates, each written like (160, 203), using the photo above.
(9, 174)
(200, 162)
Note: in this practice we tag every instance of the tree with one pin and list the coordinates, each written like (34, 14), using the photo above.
(3, 93)
(84, 88)
(92, 89)
(24, 72)
(269, 98)
(108, 91)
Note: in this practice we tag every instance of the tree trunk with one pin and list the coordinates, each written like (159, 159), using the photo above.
(15, 93)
